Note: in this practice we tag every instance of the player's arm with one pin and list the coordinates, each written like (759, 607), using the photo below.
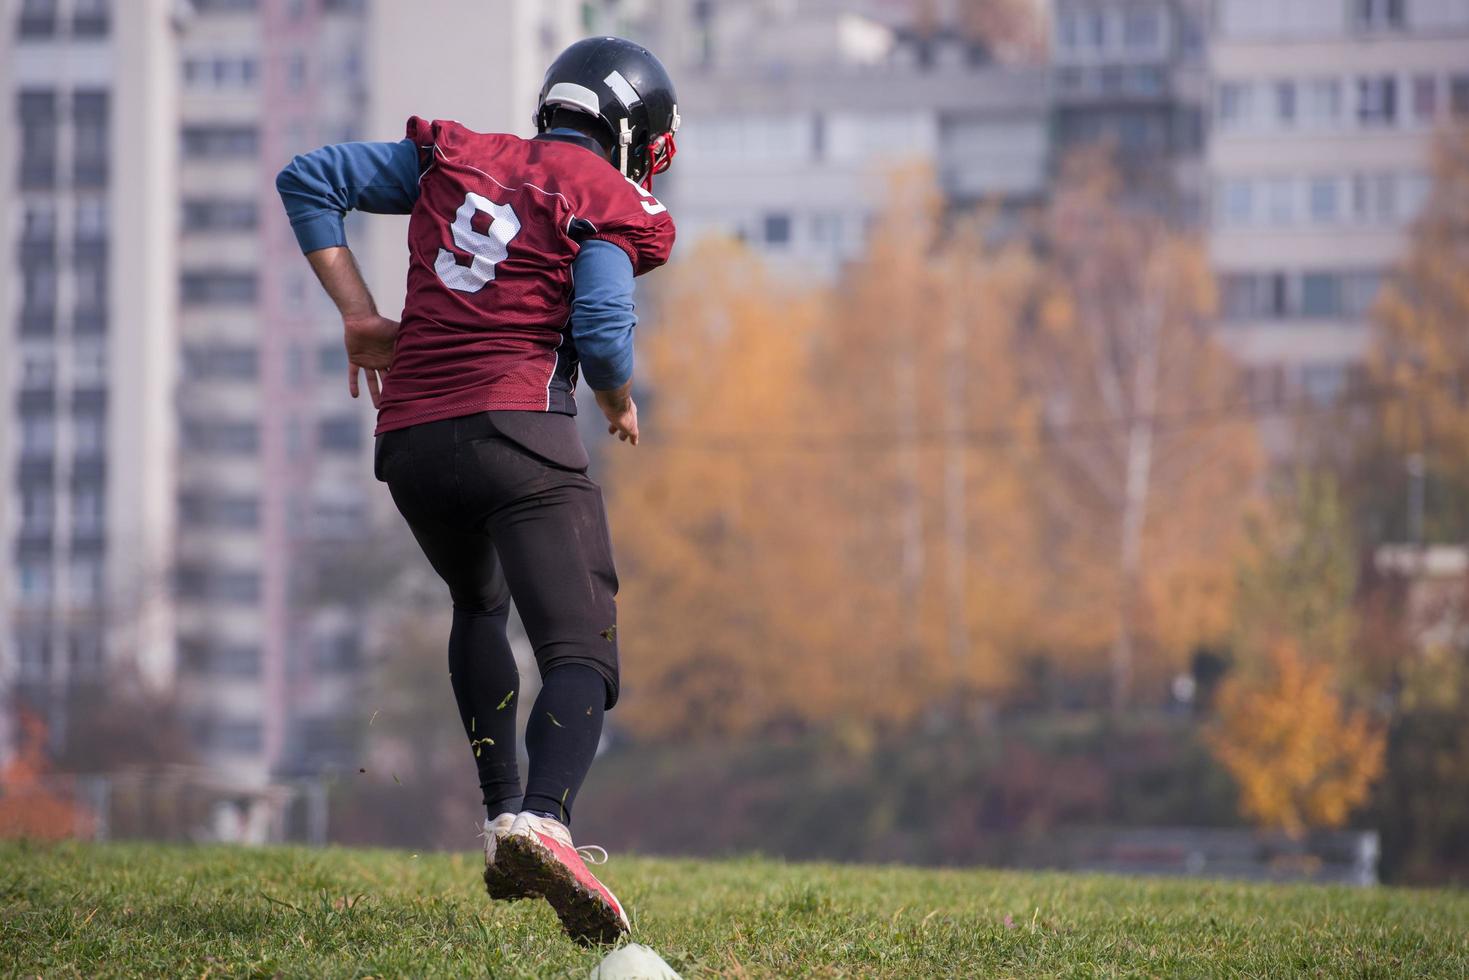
(318, 189)
(602, 322)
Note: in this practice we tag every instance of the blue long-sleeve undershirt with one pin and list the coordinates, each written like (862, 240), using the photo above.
(319, 187)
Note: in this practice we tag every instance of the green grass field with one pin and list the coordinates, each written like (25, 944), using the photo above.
(148, 910)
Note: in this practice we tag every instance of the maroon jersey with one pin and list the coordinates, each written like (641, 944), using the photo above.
(497, 223)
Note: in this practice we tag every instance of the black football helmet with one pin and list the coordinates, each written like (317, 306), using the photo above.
(625, 86)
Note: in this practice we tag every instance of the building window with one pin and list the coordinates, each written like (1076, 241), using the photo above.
(1140, 29)
(35, 580)
(1425, 98)
(219, 215)
(218, 510)
(90, 128)
(36, 510)
(90, 280)
(1376, 15)
(1236, 203)
(91, 219)
(295, 73)
(89, 18)
(38, 148)
(33, 653)
(37, 19)
(86, 655)
(37, 367)
(212, 287)
(342, 434)
(331, 358)
(222, 72)
(1066, 32)
(88, 514)
(1321, 102)
(1377, 99)
(235, 736)
(38, 287)
(230, 362)
(225, 6)
(777, 228)
(1285, 103)
(1459, 96)
(341, 652)
(38, 229)
(220, 142)
(1323, 197)
(220, 437)
(89, 434)
(224, 659)
(89, 362)
(86, 579)
(224, 585)
(1280, 201)
(1094, 29)
(1235, 101)
(37, 435)
(1320, 294)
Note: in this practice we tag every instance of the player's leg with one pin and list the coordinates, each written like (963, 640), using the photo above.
(557, 558)
(553, 543)
(482, 669)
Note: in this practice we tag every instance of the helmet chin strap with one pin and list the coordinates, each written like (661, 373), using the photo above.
(624, 143)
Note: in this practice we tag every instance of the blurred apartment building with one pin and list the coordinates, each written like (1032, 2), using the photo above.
(796, 115)
(1323, 117)
(272, 475)
(185, 478)
(87, 297)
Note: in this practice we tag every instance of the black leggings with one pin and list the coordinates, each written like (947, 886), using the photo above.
(501, 505)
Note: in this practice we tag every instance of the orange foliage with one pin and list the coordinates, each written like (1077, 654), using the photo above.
(790, 558)
(1301, 759)
(1422, 319)
(843, 512)
(29, 807)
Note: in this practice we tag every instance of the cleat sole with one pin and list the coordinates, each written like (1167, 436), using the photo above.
(585, 915)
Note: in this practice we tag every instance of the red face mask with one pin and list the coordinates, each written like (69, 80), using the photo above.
(660, 157)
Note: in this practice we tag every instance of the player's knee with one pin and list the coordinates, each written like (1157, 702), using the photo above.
(605, 669)
(481, 603)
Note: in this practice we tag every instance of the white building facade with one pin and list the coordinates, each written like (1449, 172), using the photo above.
(88, 218)
(1323, 116)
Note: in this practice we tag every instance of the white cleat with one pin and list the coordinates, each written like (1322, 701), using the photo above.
(539, 854)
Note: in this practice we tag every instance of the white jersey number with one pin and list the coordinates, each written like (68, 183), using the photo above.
(487, 249)
(650, 203)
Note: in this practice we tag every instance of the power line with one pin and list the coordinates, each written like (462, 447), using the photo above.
(1007, 436)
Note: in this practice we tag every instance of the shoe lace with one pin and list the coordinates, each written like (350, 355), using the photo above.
(592, 853)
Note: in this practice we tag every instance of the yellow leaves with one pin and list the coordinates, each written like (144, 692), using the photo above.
(1301, 759)
(1422, 320)
(847, 506)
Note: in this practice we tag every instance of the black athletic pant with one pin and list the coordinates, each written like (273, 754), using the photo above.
(501, 505)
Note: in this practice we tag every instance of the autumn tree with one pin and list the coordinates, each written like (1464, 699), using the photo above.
(1150, 468)
(1420, 355)
(1301, 758)
(1298, 579)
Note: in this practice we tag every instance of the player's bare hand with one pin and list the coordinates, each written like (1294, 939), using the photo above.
(621, 412)
(370, 340)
